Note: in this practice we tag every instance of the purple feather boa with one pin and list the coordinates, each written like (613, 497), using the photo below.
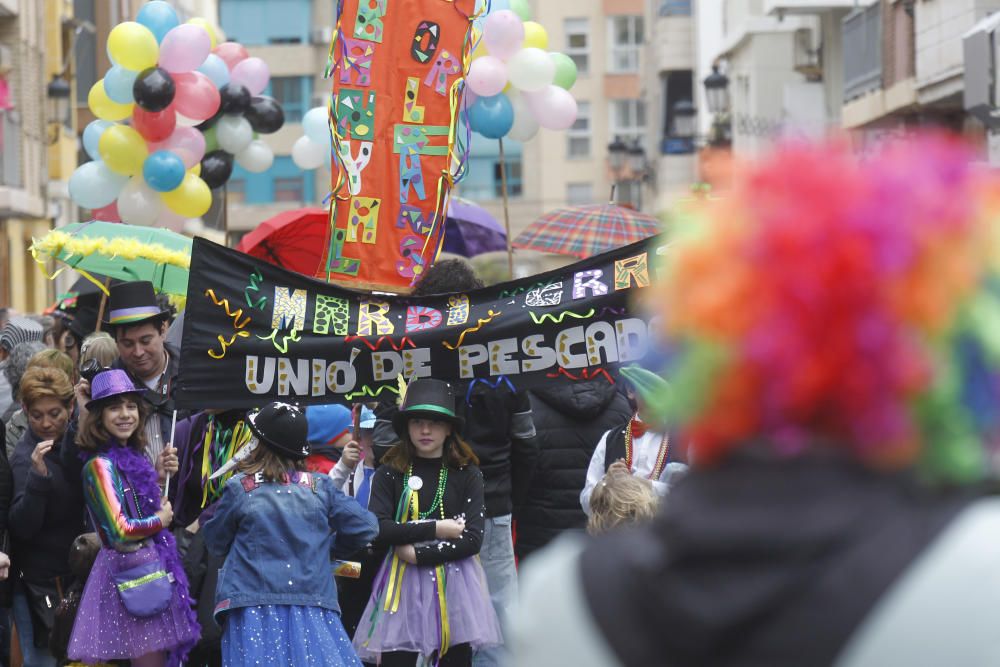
(136, 468)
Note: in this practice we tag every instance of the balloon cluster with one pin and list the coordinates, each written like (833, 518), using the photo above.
(314, 147)
(174, 109)
(516, 85)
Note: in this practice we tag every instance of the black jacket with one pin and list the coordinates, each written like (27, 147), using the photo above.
(570, 418)
(6, 495)
(46, 514)
(500, 429)
(760, 562)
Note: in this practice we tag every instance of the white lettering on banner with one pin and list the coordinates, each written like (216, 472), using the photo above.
(596, 344)
(470, 356)
(500, 361)
(541, 356)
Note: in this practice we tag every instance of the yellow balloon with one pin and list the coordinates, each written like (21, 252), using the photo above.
(207, 27)
(535, 36)
(191, 199)
(196, 170)
(132, 46)
(123, 149)
(104, 107)
(479, 51)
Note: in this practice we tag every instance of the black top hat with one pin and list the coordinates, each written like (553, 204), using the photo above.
(283, 428)
(131, 303)
(426, 399)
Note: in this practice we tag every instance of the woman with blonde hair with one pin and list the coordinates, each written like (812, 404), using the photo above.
(46, 358)
(101, 347)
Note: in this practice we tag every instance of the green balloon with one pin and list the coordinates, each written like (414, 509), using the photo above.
(565, 75)
(211, 141)
(521, 8)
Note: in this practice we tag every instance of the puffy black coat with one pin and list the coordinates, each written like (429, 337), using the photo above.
(570, 418)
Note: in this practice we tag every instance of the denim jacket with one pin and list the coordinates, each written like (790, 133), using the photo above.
(277, 539)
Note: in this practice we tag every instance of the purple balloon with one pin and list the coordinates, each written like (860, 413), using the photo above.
(553, 107)
(503, 33)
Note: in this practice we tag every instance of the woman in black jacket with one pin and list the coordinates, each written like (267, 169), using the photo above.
(46, 514)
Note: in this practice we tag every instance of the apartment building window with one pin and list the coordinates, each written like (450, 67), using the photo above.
(578, 135)
(579, 194)
(236, 190)
(629, 193)
(289, 189)
(256, 22)
(293, 92)
(625, 44)
(675, 8)
(85, 50)
(676, 86)
(514, 185)
(628, 120)
(578, 43)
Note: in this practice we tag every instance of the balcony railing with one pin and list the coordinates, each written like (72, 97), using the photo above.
(10, 149)
(675, 8)
(862, 51)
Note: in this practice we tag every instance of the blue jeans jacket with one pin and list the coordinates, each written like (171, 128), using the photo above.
(277, 539)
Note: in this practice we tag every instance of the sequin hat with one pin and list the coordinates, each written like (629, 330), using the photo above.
(108, 384)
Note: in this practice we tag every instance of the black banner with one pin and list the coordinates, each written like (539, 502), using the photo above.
(254, 332)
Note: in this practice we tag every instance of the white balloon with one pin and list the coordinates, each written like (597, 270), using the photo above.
(256, 158)
(307, 154)
(184, 121)
(314, 124)
(553, 107)
(233, 133)
(139, 204)
(530, 70)
(525, 126)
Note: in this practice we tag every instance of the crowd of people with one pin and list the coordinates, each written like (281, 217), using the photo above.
(814, 486)
(212, 537)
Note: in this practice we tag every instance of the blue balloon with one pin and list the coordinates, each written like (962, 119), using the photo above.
(163, 171)
(92, 134)
(159, 17)
(492, 117)
(93, 185)
(118, 84)
(215, 69)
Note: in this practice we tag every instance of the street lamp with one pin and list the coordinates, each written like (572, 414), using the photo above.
(617, 151)
(57, 92)
(636, 158)
(717, 91)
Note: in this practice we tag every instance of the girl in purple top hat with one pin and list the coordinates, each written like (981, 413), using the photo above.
(135, 605)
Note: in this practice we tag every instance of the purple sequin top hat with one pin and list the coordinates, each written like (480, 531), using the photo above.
(110, 383)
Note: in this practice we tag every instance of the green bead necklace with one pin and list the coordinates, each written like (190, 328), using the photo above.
(438, 494)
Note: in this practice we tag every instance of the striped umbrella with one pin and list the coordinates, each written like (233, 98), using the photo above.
(584, 231)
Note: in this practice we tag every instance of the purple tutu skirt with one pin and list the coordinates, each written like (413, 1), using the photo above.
(104, 630)
(416, 625)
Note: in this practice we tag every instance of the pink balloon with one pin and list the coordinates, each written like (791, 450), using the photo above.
(553, 107)
(184, 48)
(503, 33)
(107, 213)
(170, 220)
(187, 143)
(231, 53)
(487, 76)
(196, 96)
(252, 73)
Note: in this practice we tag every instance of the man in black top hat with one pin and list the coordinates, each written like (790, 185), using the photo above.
(139, 327)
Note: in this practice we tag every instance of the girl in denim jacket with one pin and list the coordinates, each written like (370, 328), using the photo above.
(277, 525)
(430, 601)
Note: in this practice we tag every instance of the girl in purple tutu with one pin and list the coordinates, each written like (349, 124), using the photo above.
(430, 602)
(135, 605)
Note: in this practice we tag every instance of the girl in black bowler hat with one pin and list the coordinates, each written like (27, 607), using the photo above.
(430, 600)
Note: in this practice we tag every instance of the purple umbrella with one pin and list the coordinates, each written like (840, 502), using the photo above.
(470, 230)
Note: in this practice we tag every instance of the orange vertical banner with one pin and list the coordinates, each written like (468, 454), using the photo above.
(394, 114)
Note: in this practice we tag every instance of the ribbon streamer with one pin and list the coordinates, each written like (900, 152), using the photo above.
(367, 391)
(236, 315)
(480, 324)
(373, 347)
(492, 385)
(585, 374)
(283, 345)
(557, 319)
(255, 281)
(225, 344)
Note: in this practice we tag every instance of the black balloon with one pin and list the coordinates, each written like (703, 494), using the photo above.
(153, 89)
(216, 168)
(234, 98)
(265, 114)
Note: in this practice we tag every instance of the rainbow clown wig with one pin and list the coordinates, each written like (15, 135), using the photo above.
(834, 301)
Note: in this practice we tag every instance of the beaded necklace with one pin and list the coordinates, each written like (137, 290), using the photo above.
(662, 455)
(219, 446)
(438, 494)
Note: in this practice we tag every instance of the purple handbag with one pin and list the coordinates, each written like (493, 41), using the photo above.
(144, 586)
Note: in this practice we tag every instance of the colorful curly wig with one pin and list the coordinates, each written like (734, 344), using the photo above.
(845, 302)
